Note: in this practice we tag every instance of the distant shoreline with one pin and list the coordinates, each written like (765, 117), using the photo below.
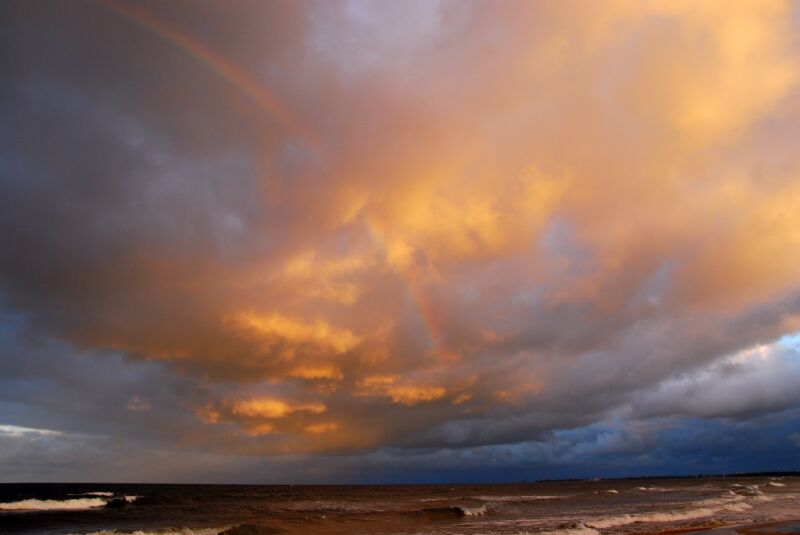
(794, 473)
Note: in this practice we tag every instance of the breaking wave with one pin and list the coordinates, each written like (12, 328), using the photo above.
(578, 528)
(775, 484)
(97, 493)
(121, 501)
(473, 511)
(530, 498)
(53, 505)
(167, 531)
(708, 508)
(71, 504)
(456, 510)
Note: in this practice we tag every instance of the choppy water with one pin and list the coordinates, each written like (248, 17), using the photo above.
(579, 508)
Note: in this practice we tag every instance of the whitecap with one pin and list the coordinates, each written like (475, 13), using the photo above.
(53, 505)
(473, 511)
(165, 531)
(578, 528)
(520, 498)
(735, 506)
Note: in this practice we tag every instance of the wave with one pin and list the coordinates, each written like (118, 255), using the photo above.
(329, 506)
(710, 508)
(97, 493)
(473, 511)
(578, 528)
(750, 490)
(521, 498)
(455, 510)
(167, 531)
(121, 501)
(652, 489)
(53, 505)
(71, 504)
(776, 484)
(763, 498)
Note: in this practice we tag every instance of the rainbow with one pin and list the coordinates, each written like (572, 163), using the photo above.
(416, 290)
(216, 63)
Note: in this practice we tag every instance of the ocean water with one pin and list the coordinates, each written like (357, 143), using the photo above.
(563, 508)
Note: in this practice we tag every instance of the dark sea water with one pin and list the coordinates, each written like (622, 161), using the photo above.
(577, 508)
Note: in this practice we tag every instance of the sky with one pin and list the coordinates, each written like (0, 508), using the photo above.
(346, 241)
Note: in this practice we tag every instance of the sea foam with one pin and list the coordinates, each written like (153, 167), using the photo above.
(708, 508)
(521, 498)
(473, 511)
(53, 505)
(165, 531)
(577, 529)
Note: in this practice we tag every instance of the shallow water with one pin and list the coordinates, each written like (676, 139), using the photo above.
(575, 507)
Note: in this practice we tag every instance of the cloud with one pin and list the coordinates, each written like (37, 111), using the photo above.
(755, 380)
(453, 226)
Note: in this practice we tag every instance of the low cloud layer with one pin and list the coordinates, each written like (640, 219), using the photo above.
(370, 231)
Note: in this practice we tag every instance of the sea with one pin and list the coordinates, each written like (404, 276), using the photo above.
(719, 506)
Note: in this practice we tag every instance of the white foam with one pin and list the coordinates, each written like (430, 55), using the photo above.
(651, 489)
(751, 490)
(578, 529)
(130, 499)
(165, 531)
(776, 484)
(735, 506)
(473, 511)
(98, 493)
(612, 491)
(521, 498)
(53, 505)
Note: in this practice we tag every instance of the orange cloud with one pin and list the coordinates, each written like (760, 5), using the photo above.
(273, 329)
(400, 392)
(317, 372)
(272, 408)
(317, 429)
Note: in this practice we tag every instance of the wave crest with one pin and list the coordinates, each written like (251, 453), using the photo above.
(708, 509)
(523, 498)
(579, 528)
(166, 531)
(53, 505)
